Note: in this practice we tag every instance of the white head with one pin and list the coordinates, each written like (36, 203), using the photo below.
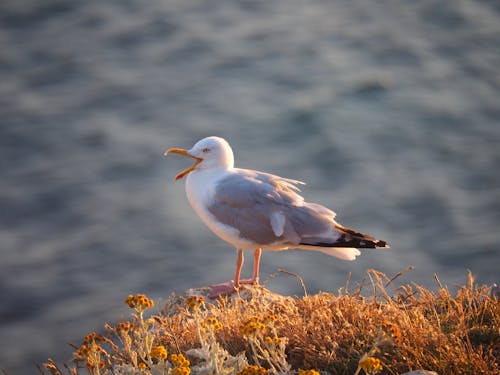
(210, 152)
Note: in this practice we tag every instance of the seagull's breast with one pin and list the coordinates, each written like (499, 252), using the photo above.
(200, 191)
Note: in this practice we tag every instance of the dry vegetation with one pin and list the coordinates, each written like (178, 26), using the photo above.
(347, 333)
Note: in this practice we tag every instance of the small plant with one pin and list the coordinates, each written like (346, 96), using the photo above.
(388, 335)
(92, 353)
(264, 342)
(348, 333)
(213, 358)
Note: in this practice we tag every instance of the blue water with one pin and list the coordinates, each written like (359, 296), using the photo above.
(389, 110)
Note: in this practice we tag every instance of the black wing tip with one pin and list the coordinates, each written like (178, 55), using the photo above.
(364, 240)
(361, 243)
(382, 244)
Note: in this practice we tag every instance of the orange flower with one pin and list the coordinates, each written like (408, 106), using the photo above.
(195, 302)
(253, 370)
(252, 326)
(181, 371)
(371, 365)
(82, 352)
(308, 372)
(213, 324)
(269, 319)
(125, 327)
(86, 350)
(159, 352)
(178, 360)
(393, 331)
(92, 337)
(273, 340)
(139, 302)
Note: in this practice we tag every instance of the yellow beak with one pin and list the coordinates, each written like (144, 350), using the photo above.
(183, 152)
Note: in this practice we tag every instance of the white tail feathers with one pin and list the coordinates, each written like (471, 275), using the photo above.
(346, 253)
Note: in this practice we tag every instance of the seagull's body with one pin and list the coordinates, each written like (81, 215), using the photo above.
(255, 210)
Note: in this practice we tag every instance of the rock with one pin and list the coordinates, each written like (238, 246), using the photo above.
(246, 293)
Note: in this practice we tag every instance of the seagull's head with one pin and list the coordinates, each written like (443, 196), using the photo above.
(210, 152)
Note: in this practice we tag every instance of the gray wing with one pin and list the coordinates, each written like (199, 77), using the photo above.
(267, 209)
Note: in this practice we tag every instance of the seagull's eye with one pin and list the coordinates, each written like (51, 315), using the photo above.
(205, 150)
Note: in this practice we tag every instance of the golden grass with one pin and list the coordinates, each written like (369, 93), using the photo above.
(347, 333)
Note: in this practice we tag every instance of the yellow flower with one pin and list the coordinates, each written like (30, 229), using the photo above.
(252, 326)
(181, 371)
(92, 337)
(158, 352)
(89, 338)
(181, 364)
(178, 360)
(91, 363)
(88, 348)
(269, 319)
(139, 302)
(274, 340)
(308, 372)
(82, 352)
(142, 366)
(371, 365)
(253, 370)
(125, 327)
(195, 302)
(393, 331)
(213, 324)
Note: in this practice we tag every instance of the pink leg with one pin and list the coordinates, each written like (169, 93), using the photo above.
(228, 288)
(239, 265)
(256, 263)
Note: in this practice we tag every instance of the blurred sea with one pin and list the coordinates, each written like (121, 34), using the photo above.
(389, 110)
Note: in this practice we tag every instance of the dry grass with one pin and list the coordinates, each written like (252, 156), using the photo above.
(409, 328)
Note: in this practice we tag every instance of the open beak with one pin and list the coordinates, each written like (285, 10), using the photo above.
(183, 152)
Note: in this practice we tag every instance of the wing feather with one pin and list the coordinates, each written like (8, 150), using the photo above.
(267, 209)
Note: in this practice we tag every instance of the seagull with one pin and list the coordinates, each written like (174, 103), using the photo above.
(253, 210)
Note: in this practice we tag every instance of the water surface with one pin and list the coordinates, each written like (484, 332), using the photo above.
(388, 110)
